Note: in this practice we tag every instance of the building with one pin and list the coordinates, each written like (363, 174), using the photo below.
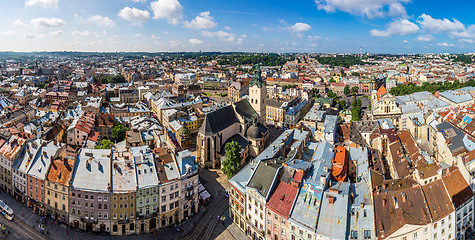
(89, 202)
(168, 175)
(8, 154)
(282, 199)
(257, 95)
(384, 105)
(462, 199)
(333, 216)
(222, 124)
(57, 188)
(236, 91)
(80, 129)
(189, 178)
(124, 186)
(147, 189)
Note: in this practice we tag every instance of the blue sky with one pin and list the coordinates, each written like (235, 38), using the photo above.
(376, 26)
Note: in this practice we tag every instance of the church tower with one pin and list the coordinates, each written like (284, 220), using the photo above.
(258, 94)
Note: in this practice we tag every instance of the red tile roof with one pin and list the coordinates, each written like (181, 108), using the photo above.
(282, 199)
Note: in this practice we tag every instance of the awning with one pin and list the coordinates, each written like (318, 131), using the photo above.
(201, 188)
(204, 195)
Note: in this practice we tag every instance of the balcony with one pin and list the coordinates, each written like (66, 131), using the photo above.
(88, 220)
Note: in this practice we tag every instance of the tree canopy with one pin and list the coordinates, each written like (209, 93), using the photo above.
(105, 144)
(356, 109)
(110, 79)
(403, 89)
(233, 158)
(118, 133)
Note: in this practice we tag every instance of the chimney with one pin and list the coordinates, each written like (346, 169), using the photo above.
(331, 199)
(322, 178)
(384, 202)
(404, 197)
(362, 205)
(65, 161)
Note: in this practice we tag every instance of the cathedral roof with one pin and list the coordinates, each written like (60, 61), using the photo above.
(218, 120)
(245, 110)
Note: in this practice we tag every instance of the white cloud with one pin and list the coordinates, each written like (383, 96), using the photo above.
(366, 8)
(7, 33)
(227, 28)
(82, 34)
(101, 20)
(225, 36)
(195, 41)
(31, 36)
(432, 25)
(203, 21)
(56, 33)
(43, 3)
(155, 37)
(445, 44)
(313, 38)
(469, 32)
(171, 10)
(47, 22)
(300, 27)
(397, 27)
(137, 35)
(425, 38)
(134, 15)
(466, 40)
(405, 41)
(20, 23)
(175, 43)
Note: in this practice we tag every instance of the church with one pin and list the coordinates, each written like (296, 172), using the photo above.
(239, 122)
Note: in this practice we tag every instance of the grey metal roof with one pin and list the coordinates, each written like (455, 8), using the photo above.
(145, 167)
(241, 179)
(456, 96)
(92, 171)
(307, 204)
(333, 217)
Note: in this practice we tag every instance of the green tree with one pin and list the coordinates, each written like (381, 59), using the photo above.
(118, 133)
(233, 158)
(105, 144)
(356, 109)
(342, 104)
(331, 94)
(354, 90)
(347, 91)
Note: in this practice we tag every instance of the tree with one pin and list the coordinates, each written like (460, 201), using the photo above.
(356, 109)
(354, 90)
(347, 91)
(233, 158)
(342, 104)
(105, 144)
(331, 94)
(118, 133)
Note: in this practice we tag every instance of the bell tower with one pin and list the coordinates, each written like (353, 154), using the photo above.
(258, 94)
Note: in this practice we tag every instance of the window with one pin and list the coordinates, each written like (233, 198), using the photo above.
(115, 216)
(367, 234)
(105, 215)
(353, 234)
(435, 235)
(164, 208)
(415, 235)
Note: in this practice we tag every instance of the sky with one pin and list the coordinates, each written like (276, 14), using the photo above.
(325, 26)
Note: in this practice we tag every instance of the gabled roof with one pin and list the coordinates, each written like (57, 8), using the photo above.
(458, 189)
(245, 110)
(439, 203)
(218, 120)
(381, 91)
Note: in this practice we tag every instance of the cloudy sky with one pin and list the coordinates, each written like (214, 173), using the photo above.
(376, 26)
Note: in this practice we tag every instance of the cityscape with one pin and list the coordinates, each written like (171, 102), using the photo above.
(259, 120)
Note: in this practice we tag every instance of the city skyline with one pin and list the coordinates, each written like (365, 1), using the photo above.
(378, 26)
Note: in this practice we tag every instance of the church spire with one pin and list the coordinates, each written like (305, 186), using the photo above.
(257, 79)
